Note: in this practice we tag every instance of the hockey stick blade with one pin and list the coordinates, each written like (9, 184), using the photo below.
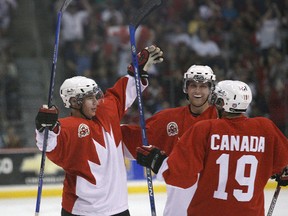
(144, 11)
(65, 5)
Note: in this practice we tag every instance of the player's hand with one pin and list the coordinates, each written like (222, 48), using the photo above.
(151, 157)
(146, 58)
(47, 117)
(282, 178)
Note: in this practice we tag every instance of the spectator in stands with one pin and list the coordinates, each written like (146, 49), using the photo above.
(229, 13)
(278, 82)
(10, 138)
(208, 9)
(74, 19)
(112, 15)
(6, 7)
(12, 89)
(78, 59)
(268, 33)
(232, 42)
(204, 46)
(179, 34)
(206, 49)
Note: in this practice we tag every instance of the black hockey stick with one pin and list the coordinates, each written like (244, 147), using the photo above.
(137, 17)
(50, 96)
(278, 177)
(274, 200)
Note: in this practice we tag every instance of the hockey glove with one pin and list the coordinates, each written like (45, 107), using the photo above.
(151, 157)
(282, 178)
(148, 56)
(47, 117)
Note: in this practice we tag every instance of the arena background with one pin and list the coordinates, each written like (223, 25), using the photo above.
(250, 43)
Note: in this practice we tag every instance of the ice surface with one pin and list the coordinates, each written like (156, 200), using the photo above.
(139, 205)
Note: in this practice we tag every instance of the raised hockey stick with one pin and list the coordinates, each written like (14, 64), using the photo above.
(50, 96)
(137, 17)
(274, 200)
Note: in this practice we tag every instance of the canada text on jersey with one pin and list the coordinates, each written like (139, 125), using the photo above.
(237, 143)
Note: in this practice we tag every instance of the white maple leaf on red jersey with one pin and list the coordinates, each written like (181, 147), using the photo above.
(110, 157)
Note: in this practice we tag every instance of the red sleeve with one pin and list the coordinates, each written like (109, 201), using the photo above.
(117, 95)
(183, 168)
(156, 131)
(132, 137)
(120, 97)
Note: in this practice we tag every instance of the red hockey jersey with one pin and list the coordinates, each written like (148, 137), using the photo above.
(234, 157)
(91, 153)
(164, 128)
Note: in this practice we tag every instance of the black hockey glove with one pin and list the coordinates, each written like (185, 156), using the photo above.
(151, 157)
(47, 117)
(282, 178)
(148, 56)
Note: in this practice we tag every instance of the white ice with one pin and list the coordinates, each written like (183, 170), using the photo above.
(139, 205)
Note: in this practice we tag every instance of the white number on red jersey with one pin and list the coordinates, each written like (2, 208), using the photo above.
(249, 181)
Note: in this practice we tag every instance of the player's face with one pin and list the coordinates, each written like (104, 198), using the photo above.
(89, 105)
(198, 93)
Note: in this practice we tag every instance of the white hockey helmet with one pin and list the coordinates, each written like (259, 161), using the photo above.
(78, 87)
(232, 96)
(199, 73)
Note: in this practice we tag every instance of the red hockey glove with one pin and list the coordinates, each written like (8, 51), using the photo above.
(282, 178)
(47, 117)
(148, 56)
(151, 157)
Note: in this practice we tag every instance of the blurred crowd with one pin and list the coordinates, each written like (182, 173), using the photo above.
(244, 40)
(10, 111)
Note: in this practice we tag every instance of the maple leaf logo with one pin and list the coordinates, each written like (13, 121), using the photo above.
(111, 165)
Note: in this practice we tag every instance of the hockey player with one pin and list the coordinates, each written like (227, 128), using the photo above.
(164, 128)
(88, 144)
(232, 157)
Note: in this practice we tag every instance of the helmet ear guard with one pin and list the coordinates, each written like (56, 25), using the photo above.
(215, 100)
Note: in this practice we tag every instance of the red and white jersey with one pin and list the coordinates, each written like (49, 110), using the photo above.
(234, 159)
(164, 128)
(91, 153)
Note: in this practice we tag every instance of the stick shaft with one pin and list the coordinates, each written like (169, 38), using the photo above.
(139, 15)
(274, 200)
(141, 113)
(50, 97)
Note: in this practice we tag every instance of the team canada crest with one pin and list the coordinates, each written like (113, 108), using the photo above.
(83, 130)
(172, 129)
